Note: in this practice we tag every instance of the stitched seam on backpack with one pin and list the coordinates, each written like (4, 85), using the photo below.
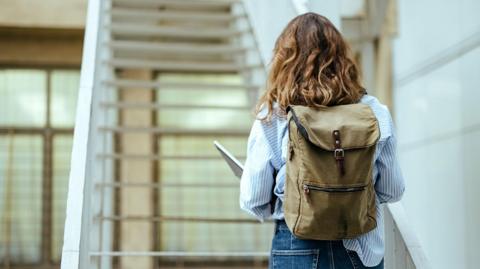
(297, 221)
(296, 178)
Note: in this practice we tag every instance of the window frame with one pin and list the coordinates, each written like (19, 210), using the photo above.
(47, 134)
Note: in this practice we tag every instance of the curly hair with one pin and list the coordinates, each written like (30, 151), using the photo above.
(311, 66)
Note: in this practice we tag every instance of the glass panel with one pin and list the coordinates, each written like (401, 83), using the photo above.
(203, 118)
(23, 97)
(217, 199)
(194, 171)
(207, 78)
(20, 198)
(202, 146)
(233, 97)
(213, 237)
(210, 170)
(62, 146)
(204, 186)
(64, 89)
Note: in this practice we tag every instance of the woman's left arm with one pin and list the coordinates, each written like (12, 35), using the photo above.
(258, 174)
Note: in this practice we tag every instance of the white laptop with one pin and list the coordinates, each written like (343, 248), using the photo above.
(235, 165)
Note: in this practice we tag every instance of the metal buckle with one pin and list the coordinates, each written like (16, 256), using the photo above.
(339, 153)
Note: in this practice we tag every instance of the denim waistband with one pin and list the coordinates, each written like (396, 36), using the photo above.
(281, 225)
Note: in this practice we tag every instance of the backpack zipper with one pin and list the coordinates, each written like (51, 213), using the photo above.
(308, 187)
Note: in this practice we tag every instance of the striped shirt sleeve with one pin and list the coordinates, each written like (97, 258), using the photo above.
(389, 184)
(258, 174)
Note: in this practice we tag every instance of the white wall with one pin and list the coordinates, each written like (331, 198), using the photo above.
(437, 111)
(328, 8)
(269, 17)
(268, 21)
(43, 14)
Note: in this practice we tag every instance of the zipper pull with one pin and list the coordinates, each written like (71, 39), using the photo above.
(306, 190)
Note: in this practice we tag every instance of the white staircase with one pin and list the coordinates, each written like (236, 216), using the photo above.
(162, 79)
(166, 78)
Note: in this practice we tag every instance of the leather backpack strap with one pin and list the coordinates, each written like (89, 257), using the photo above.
(273, 201)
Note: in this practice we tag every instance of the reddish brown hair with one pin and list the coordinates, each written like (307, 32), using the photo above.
(311, 66)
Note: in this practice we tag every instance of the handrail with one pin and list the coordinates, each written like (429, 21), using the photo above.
(182, 254)
(71, 252)
(412, 244)
(266, 34)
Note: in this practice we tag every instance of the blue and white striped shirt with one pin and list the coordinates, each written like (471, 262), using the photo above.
(267, 151)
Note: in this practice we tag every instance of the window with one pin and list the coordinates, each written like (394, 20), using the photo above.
(37, 111)
(182, 194)
(192, 206)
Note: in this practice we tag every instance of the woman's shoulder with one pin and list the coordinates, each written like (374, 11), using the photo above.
(273, 125)
(271, 131)
(277, 116)
(382, 113)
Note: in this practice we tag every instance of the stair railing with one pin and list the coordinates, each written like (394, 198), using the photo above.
(83, 233)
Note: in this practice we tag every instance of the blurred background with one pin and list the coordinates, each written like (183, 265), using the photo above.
(149, 84)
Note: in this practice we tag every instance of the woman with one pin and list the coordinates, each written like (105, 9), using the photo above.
(311, 66)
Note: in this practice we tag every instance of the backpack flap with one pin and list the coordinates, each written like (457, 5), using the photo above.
(356, 124)
(341, 133)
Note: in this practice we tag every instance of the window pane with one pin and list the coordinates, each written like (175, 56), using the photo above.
(183, 194)
(219, 199)
(207, 170)
(233, 97)
(64, 89)
(203, 118)
(211, 237)
(203, 146)
(62, 146)
(23, 97)
(21, 198)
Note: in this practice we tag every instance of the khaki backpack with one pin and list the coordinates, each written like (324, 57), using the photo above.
(329, 193)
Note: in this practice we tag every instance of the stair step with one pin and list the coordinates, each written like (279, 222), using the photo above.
(157, 106)
(171, 15)
(184, 254)
(191, 4)
(148, 30)
(149, 84)
(175, 131)
(176, 219)
(149, 184)
(179, 65)
(156, 157)
(174, 48)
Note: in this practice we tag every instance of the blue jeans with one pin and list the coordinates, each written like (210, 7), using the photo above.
(289, 252)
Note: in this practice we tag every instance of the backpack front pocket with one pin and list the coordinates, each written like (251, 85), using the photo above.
(327, 208)
(307, 187)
